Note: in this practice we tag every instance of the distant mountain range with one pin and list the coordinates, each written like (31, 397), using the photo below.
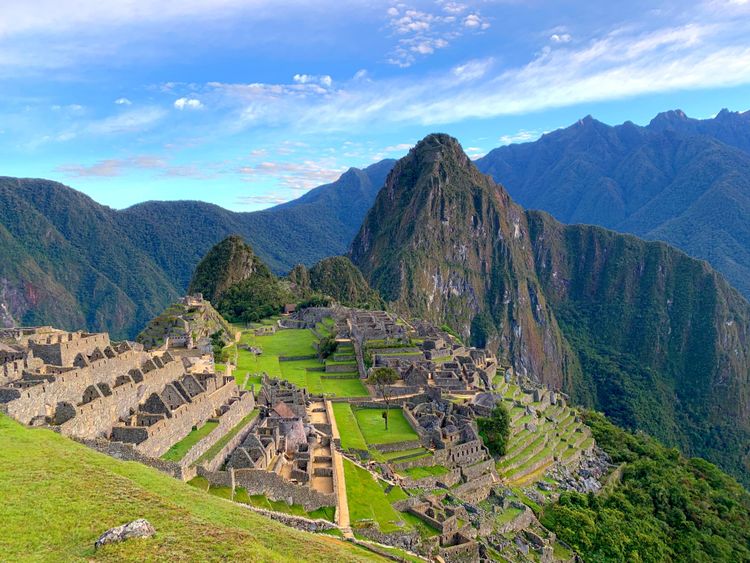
(65, 259)
(68, 261)
(681, 180)
(654, 338)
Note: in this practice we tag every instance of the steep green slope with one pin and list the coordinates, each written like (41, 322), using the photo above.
(238, 282)
(654, 338)
(59, 496)
(228, 263)
(337, 277)
(68, 261)
(319, 224)
(65, 262)
(684, 181)
(664, 507)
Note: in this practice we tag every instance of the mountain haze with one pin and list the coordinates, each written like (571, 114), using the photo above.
(654, 338)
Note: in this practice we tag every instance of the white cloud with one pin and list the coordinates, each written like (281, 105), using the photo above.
(421, 32)
(296, 175)
(323, 79)
(401, 147)
(113, 167)
(127, 122)
(560, 37)
(187, 103)
(475, 21)
(472, 70)
(522, 136)
(123, 102)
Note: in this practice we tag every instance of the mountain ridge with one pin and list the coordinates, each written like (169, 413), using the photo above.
(656, 339)
(69, 261)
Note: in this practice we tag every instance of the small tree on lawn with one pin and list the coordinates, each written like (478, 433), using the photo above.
(495, 430)
(382, 378)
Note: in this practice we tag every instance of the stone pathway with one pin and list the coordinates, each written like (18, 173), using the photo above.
(342, 514)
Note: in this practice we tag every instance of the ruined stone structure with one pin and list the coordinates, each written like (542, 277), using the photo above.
(88, 387)
(288, 447)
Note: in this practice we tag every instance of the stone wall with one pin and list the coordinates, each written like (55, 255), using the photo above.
(448, 479)
(273, 486)
(234, 442)
(298, 522)
(97, 417)
(473, 471)
(69, 385)
(237, 411)
(164, 433)
(127, 452)
(397, 446)
(62, 348)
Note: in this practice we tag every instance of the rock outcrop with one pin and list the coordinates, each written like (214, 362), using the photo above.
(140, 528)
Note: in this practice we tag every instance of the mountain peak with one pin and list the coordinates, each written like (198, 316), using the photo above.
(668, 118)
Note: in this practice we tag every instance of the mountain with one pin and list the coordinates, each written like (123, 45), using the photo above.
(680, 180)
(68, 261)
(238, 282)
(655, 339)
(337, 277)
(228, 263)
(319, 224)
(65, 261)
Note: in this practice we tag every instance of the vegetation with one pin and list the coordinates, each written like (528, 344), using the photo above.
(371, 426)
(338, 278)
(59, 496)
(495, 430)
(666, 508)
(382, 378)
(178, 450)
(253, 299)
(636, 329)
(360, 484)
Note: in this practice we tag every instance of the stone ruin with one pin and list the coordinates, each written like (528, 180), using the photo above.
(89, 388)
(286, 448)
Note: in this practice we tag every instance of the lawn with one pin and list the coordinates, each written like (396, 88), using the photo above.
(58, 496)
(368, 501)
(427, 471)
(351, 437)
(372, 426)
(178, 450)
(344, 387)
(224, 440)
(288, 342)
(261, 501)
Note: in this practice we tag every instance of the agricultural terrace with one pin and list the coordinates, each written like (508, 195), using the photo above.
(305, 370)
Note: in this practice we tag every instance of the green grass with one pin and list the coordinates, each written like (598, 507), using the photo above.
(58, 496)
(351, 437)
(414, 451)
(372, 426)
(344, 387)
(224, 440)
(178, 450)
(368, 501)
(427, 471)
(261, 501)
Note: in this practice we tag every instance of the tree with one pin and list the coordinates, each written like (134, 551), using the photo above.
(382, 378)
(495, 429)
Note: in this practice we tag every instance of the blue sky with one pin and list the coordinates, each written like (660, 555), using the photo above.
(249, 103)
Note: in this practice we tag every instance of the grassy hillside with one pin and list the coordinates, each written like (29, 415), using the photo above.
(59, 496)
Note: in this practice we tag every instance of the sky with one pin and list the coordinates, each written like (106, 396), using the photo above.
(250, 103)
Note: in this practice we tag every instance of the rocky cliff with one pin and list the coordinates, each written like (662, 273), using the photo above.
(654, 338)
